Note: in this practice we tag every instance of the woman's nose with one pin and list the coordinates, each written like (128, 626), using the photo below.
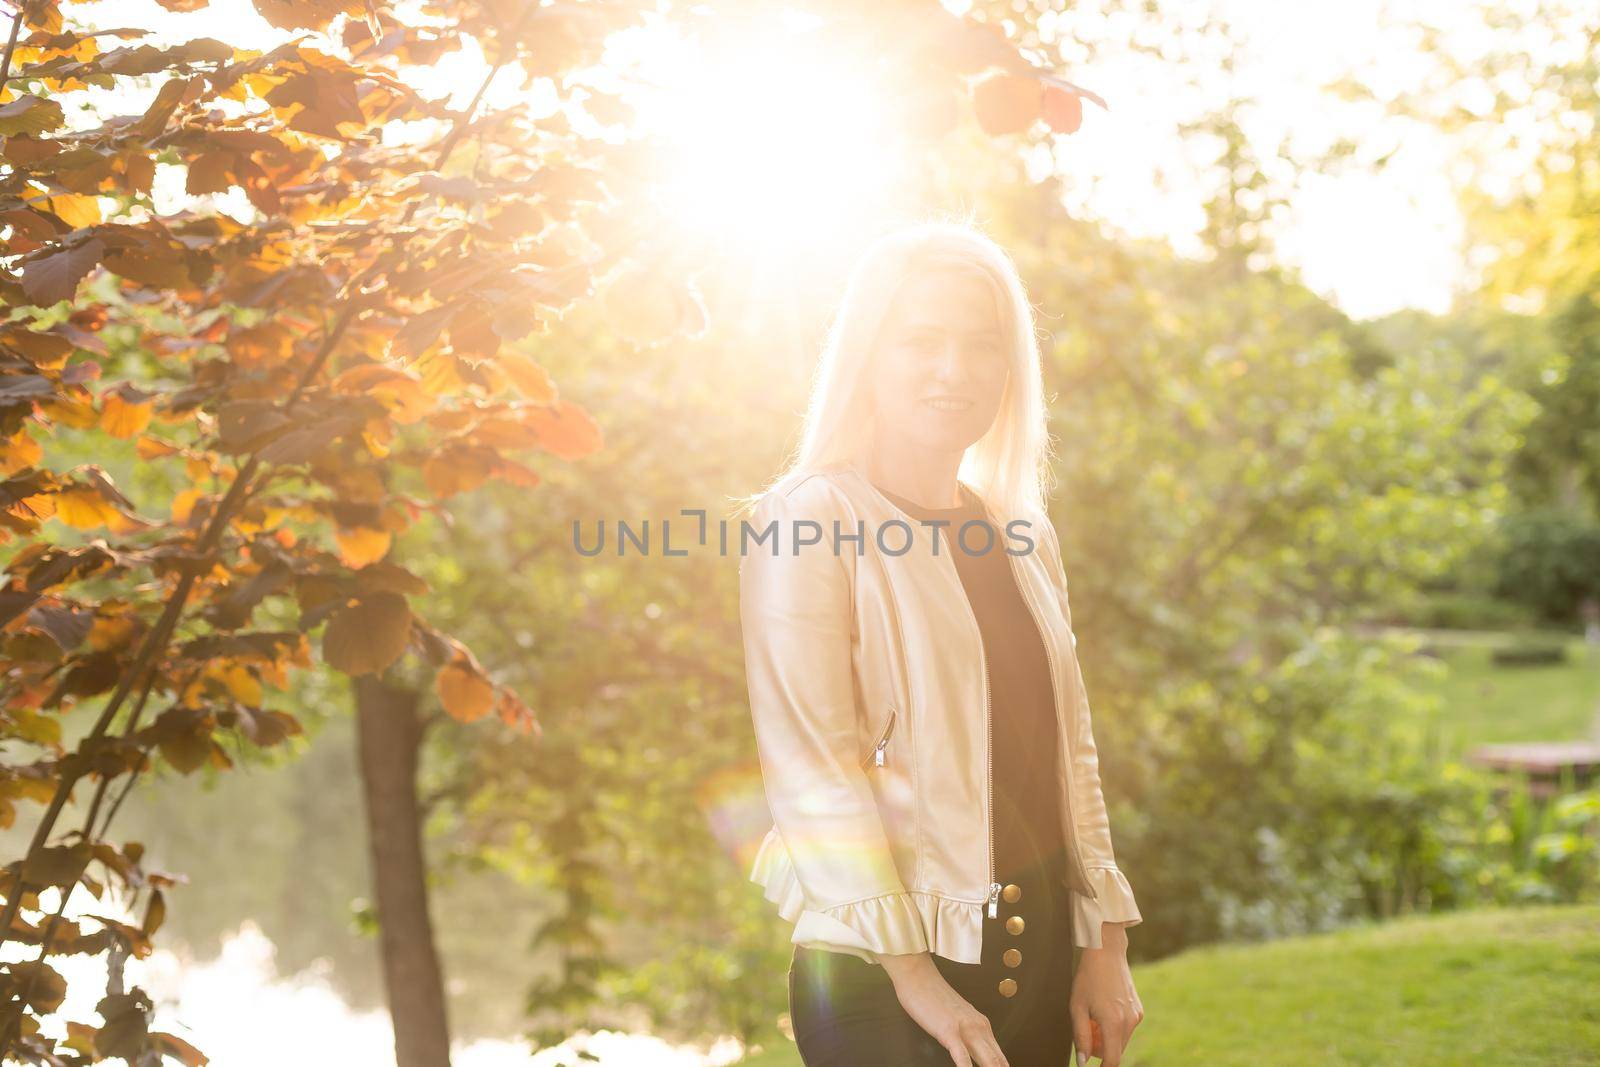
(949, 366)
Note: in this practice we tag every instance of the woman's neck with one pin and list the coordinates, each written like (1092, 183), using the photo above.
(927, 479)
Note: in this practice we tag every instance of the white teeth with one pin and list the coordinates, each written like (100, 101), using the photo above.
(948, 405)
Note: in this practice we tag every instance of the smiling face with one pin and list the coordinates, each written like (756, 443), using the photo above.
(941, 364)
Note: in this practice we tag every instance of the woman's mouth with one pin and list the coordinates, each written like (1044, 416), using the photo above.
(948, 403)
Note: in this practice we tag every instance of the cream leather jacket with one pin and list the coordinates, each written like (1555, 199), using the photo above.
(869, 696)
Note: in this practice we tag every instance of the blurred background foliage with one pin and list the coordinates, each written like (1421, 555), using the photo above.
(1273, 518)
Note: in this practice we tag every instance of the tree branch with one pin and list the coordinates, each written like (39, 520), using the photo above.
(11, 47)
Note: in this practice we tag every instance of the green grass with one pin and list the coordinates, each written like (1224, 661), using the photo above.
(1500, 986)
(1485, 703)
(1495, 986)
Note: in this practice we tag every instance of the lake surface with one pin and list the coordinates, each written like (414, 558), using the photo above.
(240, 1011)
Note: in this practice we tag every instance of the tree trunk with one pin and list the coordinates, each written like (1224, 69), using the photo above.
(389, 735)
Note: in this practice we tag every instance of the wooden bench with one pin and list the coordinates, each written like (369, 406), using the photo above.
(1544, 763)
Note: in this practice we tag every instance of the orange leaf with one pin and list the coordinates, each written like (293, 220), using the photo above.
(502, 433)
(364, 376)
(1007, 103)
(529, 378)
(472, 334)
(110, 632)
(33, 509)
(517, 473)
(70, 411)
(119, 418)
(41, 349)
(566, 429)
(154, 448)
(264, 345)
(183, 505)
(242, 685)
(377, 442)
(84, 508)
(20, 451)
(440, 373)
(465, 694)
(409, 400)
(458, 469)
(75, 209)
(1062, 110)
(360, 546)
(515, 714)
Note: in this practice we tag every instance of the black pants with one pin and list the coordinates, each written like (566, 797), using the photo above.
(845, 1011)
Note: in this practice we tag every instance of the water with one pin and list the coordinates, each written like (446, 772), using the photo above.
(239, 1011)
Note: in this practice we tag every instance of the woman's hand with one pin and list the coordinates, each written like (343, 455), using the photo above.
(963, 1030)
(1103, 994)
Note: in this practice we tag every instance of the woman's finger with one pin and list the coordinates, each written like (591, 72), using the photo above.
(1082, 1033)
(976, 1035)
(987, 1050)
(1115, 1035)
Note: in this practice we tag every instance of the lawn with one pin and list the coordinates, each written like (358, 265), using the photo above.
(1503, 986)
(1485, 703)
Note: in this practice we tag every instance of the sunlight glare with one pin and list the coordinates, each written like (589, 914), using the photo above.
(767, 137)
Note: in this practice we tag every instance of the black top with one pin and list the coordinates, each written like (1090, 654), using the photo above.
(1023, 731)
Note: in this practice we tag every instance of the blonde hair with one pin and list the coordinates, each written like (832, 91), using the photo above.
(1009, 465)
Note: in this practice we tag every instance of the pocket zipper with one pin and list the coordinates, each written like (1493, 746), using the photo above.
(879, 751)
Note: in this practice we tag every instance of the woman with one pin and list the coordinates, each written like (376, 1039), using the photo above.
(939, 835)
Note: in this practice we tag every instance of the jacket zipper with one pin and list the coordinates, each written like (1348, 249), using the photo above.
(880, 751)
(988, 735)
(988, 730)
(1055, 693)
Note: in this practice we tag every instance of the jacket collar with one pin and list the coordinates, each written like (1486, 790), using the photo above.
(854, 469)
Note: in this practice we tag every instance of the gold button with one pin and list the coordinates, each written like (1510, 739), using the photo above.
(1014, 924)
(1012, 893)
(1013, 957)
(1008, 987)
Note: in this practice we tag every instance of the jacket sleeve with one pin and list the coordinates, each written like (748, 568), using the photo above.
(1115, 901)
(795, 609)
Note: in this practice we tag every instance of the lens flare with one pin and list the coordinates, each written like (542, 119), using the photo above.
(768, 136)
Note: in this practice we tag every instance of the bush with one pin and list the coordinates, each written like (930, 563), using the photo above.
(1320, 793)
(1468, 611)
(1529, 654)
(1546, 562)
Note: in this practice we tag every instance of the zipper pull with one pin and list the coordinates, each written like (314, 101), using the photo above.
(994, 899)
(878, 754)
